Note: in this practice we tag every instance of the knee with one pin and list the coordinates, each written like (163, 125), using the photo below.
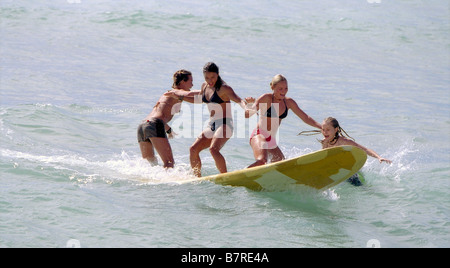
(214, 150)
(277, 158)
(260, 162)
(193, 150)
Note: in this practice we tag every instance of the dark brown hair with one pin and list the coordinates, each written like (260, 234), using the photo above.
(180, 75)
(211, 67)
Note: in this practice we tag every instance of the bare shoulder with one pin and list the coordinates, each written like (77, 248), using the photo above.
(290, 100)
(226, 88)
(291, 103)
(203, 87)
(167, 95)
(346, 141)
(265, 97)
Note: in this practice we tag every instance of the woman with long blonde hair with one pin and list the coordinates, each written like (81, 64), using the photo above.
(334, 135)
(272, 109)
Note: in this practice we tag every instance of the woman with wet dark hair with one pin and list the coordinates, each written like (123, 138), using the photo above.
(217, 95)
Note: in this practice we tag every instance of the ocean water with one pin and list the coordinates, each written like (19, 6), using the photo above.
(77, 77)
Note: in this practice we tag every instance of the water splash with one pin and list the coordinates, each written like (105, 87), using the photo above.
(119, 168)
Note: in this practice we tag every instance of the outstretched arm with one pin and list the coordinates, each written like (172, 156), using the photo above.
(300, 113)
(368, 151)
(234, 97)
(259, 102)
(189, 96)
(251, 107)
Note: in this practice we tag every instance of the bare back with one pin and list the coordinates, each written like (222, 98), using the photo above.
(340, 141)
(165, 108)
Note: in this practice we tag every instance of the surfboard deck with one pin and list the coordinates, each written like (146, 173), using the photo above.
(320, 170)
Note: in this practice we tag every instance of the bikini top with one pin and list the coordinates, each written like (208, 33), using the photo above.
(214, 98)
(274, 114)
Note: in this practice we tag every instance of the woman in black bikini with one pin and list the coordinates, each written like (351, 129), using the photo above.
(217, 95)
(272, 108)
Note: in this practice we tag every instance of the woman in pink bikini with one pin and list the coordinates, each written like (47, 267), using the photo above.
(272, 108)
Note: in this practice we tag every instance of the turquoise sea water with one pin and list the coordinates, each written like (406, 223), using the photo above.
(77, 77)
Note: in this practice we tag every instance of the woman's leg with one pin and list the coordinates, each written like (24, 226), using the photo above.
(162, 146)
(148, 152)
(260, 154)
(218, 141)
(199, 145)
(276, 154)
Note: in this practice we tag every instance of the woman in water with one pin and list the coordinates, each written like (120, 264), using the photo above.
(334, 136)
(152, 132)
(332, 133)
(272, 108)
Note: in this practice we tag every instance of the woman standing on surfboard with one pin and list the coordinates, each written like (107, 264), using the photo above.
(152, 132)
(272, 108)
(218, 96)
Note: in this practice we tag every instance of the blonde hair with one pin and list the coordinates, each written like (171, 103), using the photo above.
(333, 121)
(277, 79)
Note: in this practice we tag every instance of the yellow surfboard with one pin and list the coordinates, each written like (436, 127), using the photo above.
(321, 170)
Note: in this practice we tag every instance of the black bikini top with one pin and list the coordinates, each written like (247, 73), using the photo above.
(269, 112)
(214, 98)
